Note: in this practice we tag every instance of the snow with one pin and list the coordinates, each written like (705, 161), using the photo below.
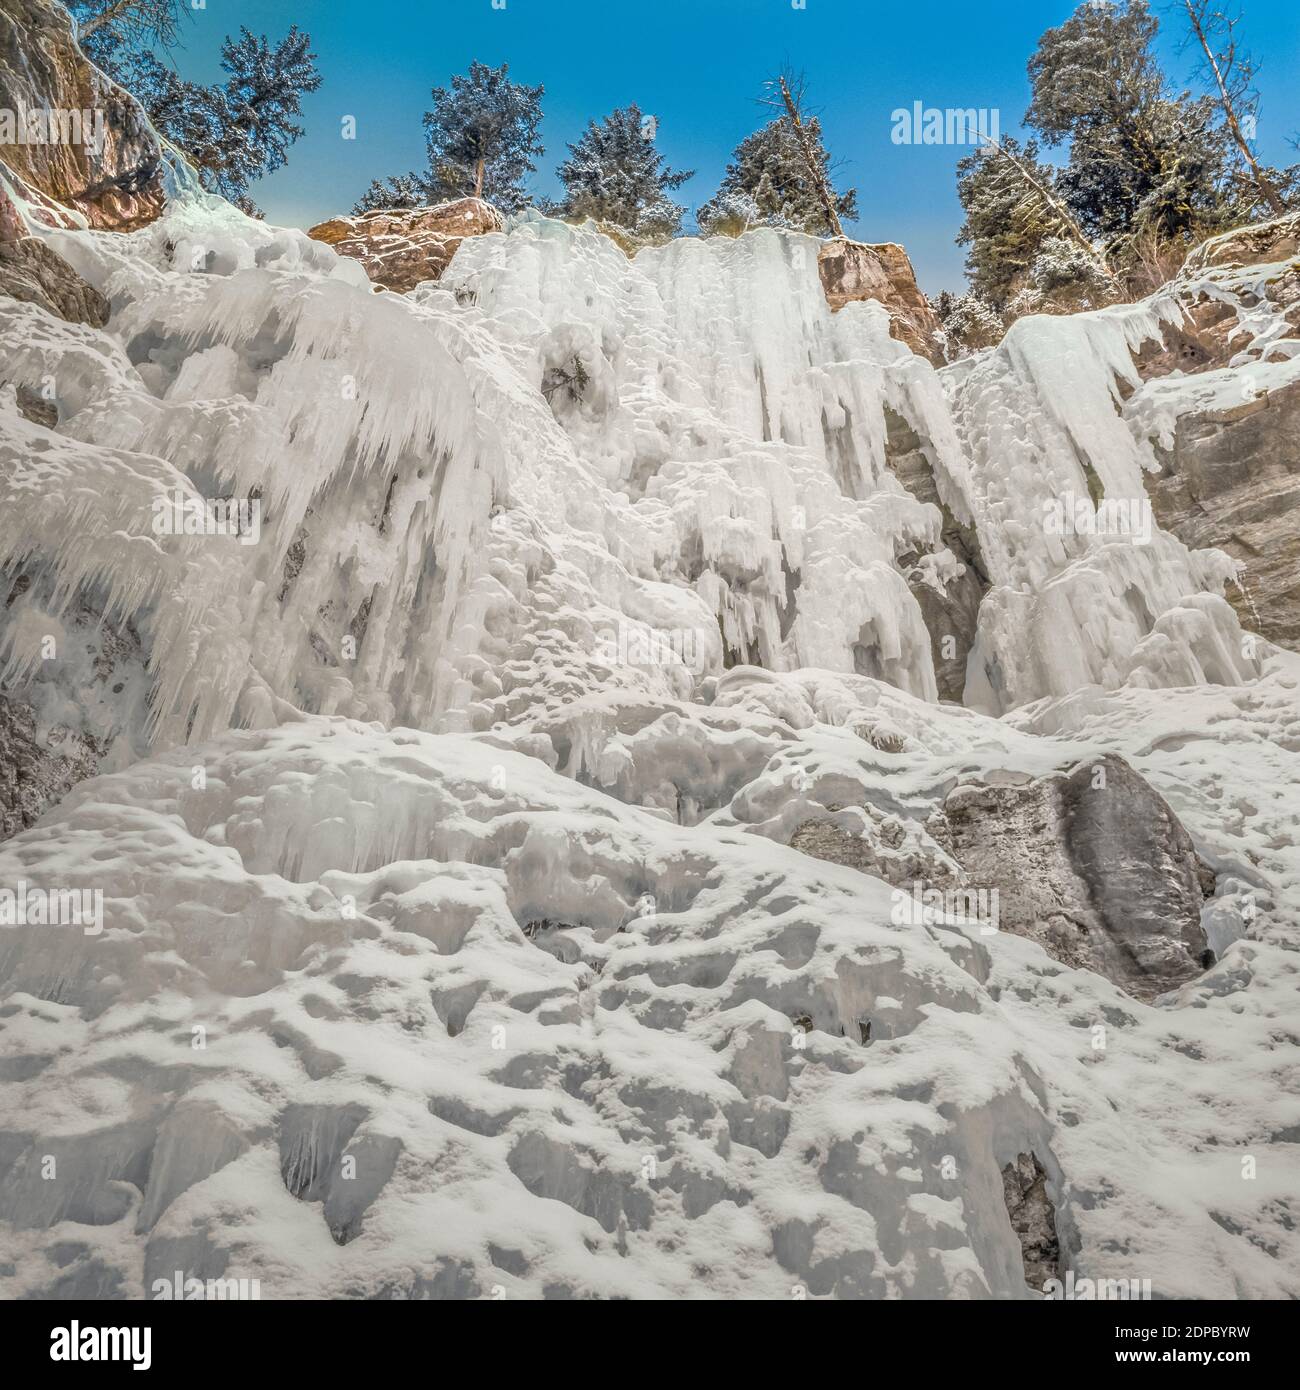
(452, 838)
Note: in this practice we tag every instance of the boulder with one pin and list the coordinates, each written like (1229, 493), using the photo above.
(1092, 864)
(95, 151)
(851, 271)
(403, 248)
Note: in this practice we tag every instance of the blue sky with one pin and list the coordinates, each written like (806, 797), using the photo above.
(698, 65)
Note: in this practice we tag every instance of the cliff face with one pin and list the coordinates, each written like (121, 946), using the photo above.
(70, 138)
(851, 271)
(1229, 458)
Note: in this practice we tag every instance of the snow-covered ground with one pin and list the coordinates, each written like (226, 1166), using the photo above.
(452, 941)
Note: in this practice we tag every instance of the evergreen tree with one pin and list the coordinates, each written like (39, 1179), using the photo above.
(1141, 155)
(769, 168)
(481, 136)
(232, 132)
(403, 191)
(615, 174)
(1007, 222)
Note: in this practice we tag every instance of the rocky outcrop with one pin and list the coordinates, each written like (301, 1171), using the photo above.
(403, 248)
(76, 140)
(1231, 481)
(34, 273)
(1024, 1189)
(851, 271)
(36, 772)
(1093, 865)
(1230, 477)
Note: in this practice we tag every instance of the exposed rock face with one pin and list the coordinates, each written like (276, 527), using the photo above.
(950, 607)
(34, 774)
(851, 271)
(114, 181)
(860, 837)
(1095, 867)
(1230, 477)
(32, 272)
(1024, 1188)
(1231, 481)
(401, 249)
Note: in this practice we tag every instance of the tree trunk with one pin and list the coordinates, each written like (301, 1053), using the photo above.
(480, 173)
(1054, 203)
(810, 158)
(1261, 180)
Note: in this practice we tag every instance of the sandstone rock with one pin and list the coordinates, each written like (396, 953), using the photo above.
(115, 183)
(32, 272)
(403, 248)
(1263, 243)
(1096, 868)
(1230, 480)
(851, 271)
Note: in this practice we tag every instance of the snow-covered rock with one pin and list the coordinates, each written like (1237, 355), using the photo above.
(468, 905)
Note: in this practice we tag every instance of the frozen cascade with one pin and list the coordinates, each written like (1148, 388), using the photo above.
(472, 893)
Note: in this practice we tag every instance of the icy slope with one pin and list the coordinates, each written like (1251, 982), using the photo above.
(453, 943)
(562, 1040)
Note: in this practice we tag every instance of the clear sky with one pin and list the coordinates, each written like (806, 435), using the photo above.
(699, 66)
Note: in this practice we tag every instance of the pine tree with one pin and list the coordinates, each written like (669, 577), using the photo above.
(402, 191)
(615, 174)
(481, 136)
(1007, 220)
(769, 168)
(1141, 156)
(234, 132)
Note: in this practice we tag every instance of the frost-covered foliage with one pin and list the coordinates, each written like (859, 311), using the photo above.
(402, 191)
(1007, 219)
(768, 169)
(482, 137)
(1142, 155)
(236, 131)
(615, 173)
(970, 324)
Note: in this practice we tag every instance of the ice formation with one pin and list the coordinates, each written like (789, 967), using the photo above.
(454, 944)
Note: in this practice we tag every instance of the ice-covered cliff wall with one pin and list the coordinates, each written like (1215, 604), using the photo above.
(451, 533)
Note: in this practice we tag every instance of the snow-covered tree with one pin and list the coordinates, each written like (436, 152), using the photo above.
(769, 168)
(1140, 153)
(482, 135)
(970, 324)
(1008, 218)
(105, 28)
(403, 191)
(233, 132)
(616, 174)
